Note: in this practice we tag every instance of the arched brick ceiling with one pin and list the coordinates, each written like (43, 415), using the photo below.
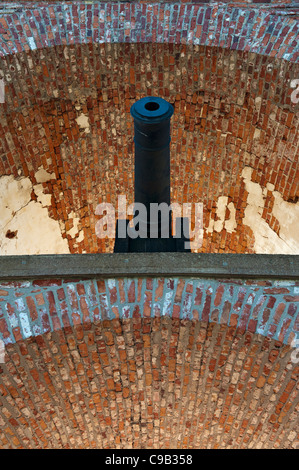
(265, 29)
(152, 363)
(104, 364)
(67, 111)
(114, 385)
(232, 111)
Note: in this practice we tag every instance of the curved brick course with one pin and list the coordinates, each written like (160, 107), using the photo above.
(148, 363)
(148, 383)
(256, 30)
(32, 308)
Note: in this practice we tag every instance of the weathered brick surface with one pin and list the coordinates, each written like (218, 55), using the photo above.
(213, 130)
(130, 363)
(32, 308)
(148, 382)
(155, 363)
(250, 27)
(226, 69)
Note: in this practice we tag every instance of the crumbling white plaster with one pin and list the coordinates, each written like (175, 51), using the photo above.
(83, 123)
(14, 194)
(31, 229)
(75, 228)
(257, 133)
(80, 238)
(32, 43)
(229, 224)
(42, 176)
(44, 199)
(287, 213)
(258, 103)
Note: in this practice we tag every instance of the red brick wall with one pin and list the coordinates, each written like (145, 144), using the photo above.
(212, 130)
(32, 308)
(211, 63)
(152, 363)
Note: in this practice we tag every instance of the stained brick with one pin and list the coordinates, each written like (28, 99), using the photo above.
(110, 383)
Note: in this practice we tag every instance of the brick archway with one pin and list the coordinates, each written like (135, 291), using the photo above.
(248, 28)
(148, 362)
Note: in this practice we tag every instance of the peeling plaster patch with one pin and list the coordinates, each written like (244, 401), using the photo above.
(221, 223)
(36, 232)
(25, 324)
(81, 237)
(14, 194)
(255, 194)
(75, 228)
(42, 176)
(83, 122)
(231, 224)
(265, 239)
(287, 214)
(66, 53)
(258, 103)
(74, 232)
(220, 213)
(44, 199)
(257, 133)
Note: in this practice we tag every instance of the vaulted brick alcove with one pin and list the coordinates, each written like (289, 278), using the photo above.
(149, 360)
(67, 133)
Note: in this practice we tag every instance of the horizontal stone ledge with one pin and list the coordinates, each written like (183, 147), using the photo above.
(244, 266)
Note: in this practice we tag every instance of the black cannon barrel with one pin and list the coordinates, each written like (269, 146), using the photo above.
(152, 180)
(152, 150)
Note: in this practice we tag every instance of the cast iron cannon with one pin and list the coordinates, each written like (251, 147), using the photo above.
(152, 181)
